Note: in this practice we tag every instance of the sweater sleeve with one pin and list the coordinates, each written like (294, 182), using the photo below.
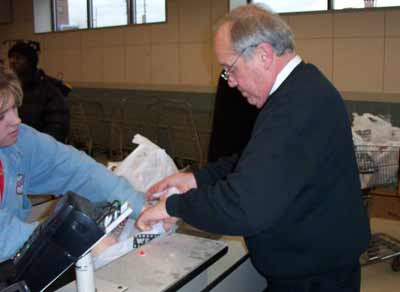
(56, 168)
(213, 172)
(293, 146)
(254, 194)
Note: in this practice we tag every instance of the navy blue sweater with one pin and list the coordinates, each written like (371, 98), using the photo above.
(295, 193)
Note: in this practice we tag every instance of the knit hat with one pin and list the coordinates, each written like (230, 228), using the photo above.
(28, 49)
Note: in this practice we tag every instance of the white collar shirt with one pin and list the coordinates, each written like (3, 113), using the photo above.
(285, 73)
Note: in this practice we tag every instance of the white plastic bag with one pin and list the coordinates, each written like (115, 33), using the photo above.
(145, 166)
(372, 128)
(396, 134)
(357, 139)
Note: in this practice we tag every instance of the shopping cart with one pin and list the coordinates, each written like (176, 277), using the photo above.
(379, 168)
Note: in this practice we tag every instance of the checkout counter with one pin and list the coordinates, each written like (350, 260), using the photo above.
(181, 262)
(188, 260)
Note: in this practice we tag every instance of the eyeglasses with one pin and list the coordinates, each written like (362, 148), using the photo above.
(227, 72)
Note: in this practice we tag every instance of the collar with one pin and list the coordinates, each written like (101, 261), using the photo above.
(285, 72)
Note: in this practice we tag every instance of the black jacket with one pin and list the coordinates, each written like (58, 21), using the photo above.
(44, 107)
(295, 192)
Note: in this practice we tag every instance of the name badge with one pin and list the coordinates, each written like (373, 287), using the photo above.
(20, 184)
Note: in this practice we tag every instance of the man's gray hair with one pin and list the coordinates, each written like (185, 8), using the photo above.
(10, 87)
(253, 24)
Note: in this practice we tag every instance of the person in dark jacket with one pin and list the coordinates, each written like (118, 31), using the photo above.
(44, 107)
(294, 194)
(233, 121)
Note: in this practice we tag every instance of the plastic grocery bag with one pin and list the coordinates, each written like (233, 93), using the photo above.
(372, 128)
(146, 165)
(396, 134)
(357, 139)
(143, 167)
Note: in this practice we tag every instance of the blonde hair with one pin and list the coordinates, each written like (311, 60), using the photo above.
(10, 87)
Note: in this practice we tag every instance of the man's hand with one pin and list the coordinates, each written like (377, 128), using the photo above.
(155, 214)
(183, 181)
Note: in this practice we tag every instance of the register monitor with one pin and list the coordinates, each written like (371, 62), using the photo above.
(72, 230)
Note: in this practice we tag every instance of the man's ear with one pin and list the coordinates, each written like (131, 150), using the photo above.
(265, 53)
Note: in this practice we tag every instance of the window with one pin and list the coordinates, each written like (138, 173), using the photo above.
(387, 3)
(58, 15)
(345, 4)
(235, 3)
(285, 6)
(110, 13)
(148, 11)
(42, 15)
(70, 14)
(282, 6)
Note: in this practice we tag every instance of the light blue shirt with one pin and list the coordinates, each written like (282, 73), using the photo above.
(38, 164)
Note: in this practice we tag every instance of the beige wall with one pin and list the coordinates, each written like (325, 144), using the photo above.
(175, 55)
(358, 50)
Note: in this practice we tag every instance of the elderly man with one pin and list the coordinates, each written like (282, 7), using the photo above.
(294, 193)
